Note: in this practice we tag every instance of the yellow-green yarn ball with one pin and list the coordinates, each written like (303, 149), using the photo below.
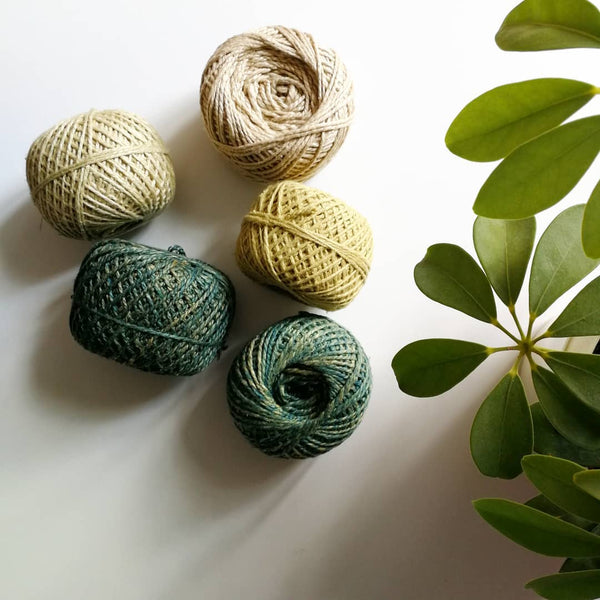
(307, 243)
(100, 174)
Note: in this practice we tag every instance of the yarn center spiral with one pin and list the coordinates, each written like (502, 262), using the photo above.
(302, 391)
(276, 103)
(300, 387)
(281, 96)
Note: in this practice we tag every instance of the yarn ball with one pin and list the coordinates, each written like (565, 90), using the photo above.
(152, 309)
(276, 103)
(299, 388)
(100, 174)
(306, 242)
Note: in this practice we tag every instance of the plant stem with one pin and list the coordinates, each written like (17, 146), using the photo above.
(531, 363)
(513, 312)
(514, 370)
(530, 326)
(502, 349)
(540, 337)
(495, 323)
(543, 352)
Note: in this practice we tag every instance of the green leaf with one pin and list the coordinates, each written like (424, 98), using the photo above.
(504, 248)
(542, 504)
(554, 478)
(559, 261)
(580, 373)
(582, 315)
(450, 276)
(431, 367)
(502, 432)
(550, 25)
(568, 415)
(541, 172)
(589, 482)
(590, 228)
(579, 585)
(497, 122)
(536, 530)
(582, 564)
(548, 441)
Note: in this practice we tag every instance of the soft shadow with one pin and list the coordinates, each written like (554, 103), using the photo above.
(218, 196)
(380, 550)
(31, 249)
(209, 189)
(78, 382)
(221, 452)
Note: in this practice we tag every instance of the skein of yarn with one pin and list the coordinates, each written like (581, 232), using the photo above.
(152, 309)
(300, 387)
(100, 174)
(307, 243)
(276, 103)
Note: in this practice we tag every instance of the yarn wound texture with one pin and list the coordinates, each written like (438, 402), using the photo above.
(100, 174)
(152, 309)
(307, 243)
(299, 388)
(276, 103)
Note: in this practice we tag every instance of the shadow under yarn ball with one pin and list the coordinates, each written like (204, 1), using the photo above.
(276, 103)
(152, 309)
(100, 174)
(300, 387)
(307, 243)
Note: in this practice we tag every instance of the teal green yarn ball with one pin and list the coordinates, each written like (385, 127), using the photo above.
(299, 388)
(152, 309)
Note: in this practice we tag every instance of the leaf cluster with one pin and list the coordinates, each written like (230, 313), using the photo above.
(523, 123)
(563, 520)
(566, 418)
(556, 439)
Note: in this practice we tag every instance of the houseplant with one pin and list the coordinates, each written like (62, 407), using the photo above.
(555, 437)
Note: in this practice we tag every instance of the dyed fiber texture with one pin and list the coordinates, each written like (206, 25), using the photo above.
(299, 388)
(306, 242)
(100, 174)
(152, 309)
(276, 103)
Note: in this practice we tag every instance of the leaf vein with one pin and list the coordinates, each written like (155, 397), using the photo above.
(558, 27)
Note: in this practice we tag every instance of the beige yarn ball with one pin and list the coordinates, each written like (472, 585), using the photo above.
(100, 174)
(276, 103)
(306, 242)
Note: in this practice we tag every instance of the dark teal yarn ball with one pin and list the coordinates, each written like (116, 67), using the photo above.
(299, 388)
(152, 309)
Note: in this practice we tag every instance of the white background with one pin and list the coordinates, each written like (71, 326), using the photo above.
(119, 484)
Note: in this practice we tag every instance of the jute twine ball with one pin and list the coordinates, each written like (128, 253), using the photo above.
(307, 243)
(299, 388)
(100, 174)
(276, 103)
(152, 309)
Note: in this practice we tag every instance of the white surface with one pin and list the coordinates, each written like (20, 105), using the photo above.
(119, 484)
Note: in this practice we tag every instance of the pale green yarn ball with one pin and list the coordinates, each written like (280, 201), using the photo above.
(99, 174)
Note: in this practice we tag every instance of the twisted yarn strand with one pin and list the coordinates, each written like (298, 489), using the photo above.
(100, 174)
(306, 242)
(153, 309)
(299, 388)
(276, 103)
